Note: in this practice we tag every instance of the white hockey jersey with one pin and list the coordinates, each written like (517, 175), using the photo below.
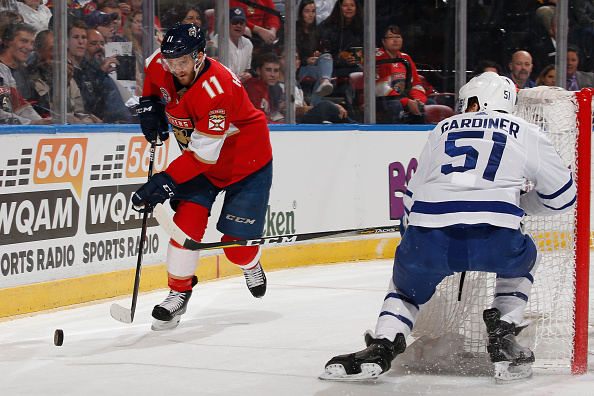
(473, 167)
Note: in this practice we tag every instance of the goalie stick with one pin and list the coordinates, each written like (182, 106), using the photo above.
(118, 312)
(166, 222)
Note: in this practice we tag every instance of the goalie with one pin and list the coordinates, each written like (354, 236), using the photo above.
(226, 147)
(464, 208)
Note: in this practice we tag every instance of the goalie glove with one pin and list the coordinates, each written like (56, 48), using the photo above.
(153, 122)
(157, 190)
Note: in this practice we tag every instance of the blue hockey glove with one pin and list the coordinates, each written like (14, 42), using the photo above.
(157, 190)
(153, 122)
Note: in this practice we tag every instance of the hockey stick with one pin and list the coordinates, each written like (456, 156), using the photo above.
(166, 222)
(118, 312)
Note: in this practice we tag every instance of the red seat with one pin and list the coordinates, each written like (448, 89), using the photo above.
(435, 113)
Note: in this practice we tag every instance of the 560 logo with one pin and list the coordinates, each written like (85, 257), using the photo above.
(61, 161)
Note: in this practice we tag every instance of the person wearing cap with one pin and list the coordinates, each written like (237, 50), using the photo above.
(261, 25)
(240, 48)
(106, 24)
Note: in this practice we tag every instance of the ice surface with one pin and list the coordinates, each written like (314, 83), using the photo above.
(229, 343)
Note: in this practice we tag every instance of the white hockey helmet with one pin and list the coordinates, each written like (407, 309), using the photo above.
(494, 92)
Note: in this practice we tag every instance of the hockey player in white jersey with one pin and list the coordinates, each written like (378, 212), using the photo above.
(464, 206)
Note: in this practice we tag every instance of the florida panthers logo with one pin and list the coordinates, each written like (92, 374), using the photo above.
(216, 120)
(165, 95)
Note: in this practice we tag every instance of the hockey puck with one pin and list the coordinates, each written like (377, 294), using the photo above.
(58, 337)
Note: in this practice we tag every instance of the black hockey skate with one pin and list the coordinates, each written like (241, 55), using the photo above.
(366, 364)
(255, 280)
(512, 361)
(168, 314)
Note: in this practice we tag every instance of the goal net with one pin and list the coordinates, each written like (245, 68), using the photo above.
(456, 314)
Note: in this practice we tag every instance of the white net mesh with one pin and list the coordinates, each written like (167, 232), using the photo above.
(550, 307)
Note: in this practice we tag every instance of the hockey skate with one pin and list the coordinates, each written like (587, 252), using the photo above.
(168, 314)
(366, 364)
(255, 280)
(512, 361)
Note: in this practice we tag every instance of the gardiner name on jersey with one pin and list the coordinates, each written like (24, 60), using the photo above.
(474, 167)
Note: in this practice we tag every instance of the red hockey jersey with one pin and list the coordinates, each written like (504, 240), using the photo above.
(396, 74)
(223, 135)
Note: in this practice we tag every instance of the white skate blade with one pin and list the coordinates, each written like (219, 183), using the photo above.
(160, 325)
(336, 372)
(507, 371)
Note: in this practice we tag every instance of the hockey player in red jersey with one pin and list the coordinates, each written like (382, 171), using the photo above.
(225, 146)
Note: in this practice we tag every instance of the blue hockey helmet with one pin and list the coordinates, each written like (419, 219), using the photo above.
(183, 39)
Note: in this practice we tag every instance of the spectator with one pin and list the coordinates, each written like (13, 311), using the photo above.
(324, 111)
(546, 76)
(106, 24)
(6, 18)
(185, 13)
(14, 109)
(485, 66)
(35, 13)
(75, 11)
(41, 74)
(545, 50)
(581, 30)
(398, 87)
(267, 69)
(323, 9)
(520, 69)
(133, 33)
(263, 22)
(129, 6)
(341, 34)
(314, 63)
(17, 41)
(240, 48)
(576, 79)
(101, 96)
(107, 102)
(109, 7)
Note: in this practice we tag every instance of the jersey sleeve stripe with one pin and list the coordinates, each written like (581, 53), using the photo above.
(554, 195)
(564, 206)
(437, 208)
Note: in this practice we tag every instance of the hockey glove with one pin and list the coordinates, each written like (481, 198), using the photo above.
(157, 190)
(153, 122)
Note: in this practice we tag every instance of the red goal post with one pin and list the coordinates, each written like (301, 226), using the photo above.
(579, 361)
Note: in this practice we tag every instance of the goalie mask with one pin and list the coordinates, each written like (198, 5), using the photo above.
(494, 92)
(183, 41)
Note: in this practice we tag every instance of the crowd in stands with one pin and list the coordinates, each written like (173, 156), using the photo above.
(329, 64)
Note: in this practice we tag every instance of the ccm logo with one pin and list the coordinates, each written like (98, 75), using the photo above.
(239, 219)
(168, 190)
(144, 109)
